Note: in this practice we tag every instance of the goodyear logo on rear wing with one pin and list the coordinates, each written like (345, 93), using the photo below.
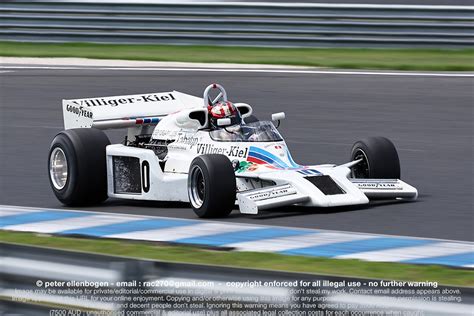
(125, 100)
(79, 111)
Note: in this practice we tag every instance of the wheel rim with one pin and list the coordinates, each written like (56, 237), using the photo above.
(58, 168)
(361, 170)
(197, 187)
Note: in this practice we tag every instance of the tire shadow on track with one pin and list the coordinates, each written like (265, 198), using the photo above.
(147, 204)
(113, 205)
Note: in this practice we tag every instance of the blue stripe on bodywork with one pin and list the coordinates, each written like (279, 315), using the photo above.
(344, 248)
(266, 159)
(271, 156)
(126, 227)
(290, 158)
(460, 259)
(42, 216)
(309, 172)
(242, 236)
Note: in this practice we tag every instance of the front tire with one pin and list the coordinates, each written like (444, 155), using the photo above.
(211, 186)
(379, 159)
(77, 166)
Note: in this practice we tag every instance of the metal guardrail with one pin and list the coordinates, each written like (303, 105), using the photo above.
(25, 271)
(245, 24)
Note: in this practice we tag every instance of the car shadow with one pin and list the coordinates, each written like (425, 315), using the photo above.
(292, 211)
(112, 203)
(147, 204)
(281, 212)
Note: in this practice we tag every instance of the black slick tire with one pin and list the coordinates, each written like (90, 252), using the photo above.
(379, 159)
(84, 150)
(211, 186)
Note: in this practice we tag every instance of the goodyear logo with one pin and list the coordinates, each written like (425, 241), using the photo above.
(378, 185)
(272, 193)
(79, 111)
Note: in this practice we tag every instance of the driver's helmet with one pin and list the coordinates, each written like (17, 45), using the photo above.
(221, 110)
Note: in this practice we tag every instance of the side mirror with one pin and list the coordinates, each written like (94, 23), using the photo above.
(278, 116)
(223, 122)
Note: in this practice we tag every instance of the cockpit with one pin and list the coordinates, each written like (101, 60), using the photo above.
(260, 131)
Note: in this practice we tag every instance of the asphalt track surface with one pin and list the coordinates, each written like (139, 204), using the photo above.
(429, 118)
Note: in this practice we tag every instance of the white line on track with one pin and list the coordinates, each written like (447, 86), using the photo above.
(293, 242)
(284, 71)
(191, 231)
(58, 225)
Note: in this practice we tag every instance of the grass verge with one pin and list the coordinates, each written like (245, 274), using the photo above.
(396, 59)
(267, 261)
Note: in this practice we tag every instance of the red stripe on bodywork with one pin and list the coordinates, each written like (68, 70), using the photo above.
(261, 162)
(256, 160)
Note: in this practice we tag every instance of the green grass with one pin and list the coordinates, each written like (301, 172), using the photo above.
(267, 261)
(400, 59)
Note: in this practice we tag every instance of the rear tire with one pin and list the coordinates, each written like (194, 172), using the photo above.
(211, 186)
(77, 166)
(379, 159)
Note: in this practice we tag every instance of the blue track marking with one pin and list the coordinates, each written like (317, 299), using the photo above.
(246, 238)
(344, 248)
(461, 259)
(129, 226)
(243, 236)
(34, 217)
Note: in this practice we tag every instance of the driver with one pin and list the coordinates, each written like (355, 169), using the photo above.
(226, 109)
(236, 130)
(222, 110)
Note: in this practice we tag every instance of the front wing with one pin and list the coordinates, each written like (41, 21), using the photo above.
(326, 190)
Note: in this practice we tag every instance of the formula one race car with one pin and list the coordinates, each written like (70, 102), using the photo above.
(206, 151)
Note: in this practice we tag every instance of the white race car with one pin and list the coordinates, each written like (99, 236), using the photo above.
(171, 153)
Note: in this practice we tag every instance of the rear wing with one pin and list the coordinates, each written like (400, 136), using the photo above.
(125, 111)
